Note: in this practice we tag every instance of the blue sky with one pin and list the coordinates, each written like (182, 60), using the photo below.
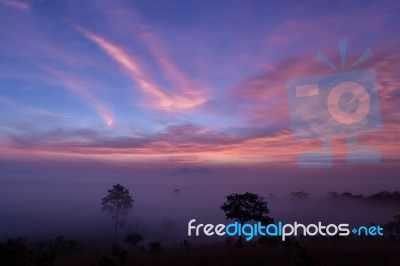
(197, 81)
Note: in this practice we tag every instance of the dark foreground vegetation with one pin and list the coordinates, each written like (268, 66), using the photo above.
(316, 251)
(133, 249)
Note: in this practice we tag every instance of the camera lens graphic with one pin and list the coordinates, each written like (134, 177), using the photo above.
(359, 95)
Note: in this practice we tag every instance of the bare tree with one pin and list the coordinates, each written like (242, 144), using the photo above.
(117, 202)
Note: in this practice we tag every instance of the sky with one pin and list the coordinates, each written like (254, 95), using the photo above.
(99, 92)
(182, 83)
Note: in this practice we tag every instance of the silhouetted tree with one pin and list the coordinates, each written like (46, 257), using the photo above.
(333, 194)
(64, 246)
(393, 227)
(300, 195)
(133, 239)
(15, 253)
(117, 202)
(186, 244)
(246, 207)
(120, 254)
(385, 196)
(267, 239)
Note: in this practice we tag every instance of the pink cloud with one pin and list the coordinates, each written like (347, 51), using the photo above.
(265, 99)
(85, 93)
(159, 98)
(153, 44)
(262, 99)
(186, 142)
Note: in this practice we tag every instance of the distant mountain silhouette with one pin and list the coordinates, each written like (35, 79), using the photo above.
(193, 172)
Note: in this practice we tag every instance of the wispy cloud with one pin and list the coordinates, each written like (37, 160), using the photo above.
(142, 32)
(83, 92)
(29, 110)
(257, 106)
(253, 144)
(159, 98)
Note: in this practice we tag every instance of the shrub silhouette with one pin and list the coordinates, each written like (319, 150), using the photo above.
(15, 253)
(105, 261)
(186, 244)
(155, 247)
(64, 246)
